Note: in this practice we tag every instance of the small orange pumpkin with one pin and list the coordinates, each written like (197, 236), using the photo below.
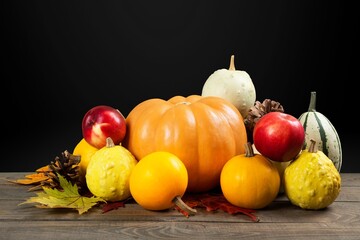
(204, 132)
(250, 180)
(158, 167)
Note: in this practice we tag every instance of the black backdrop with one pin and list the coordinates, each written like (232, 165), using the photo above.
(64, 57)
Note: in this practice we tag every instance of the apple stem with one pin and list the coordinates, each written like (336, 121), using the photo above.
(312, 147)
(249, 152)
(232, 64)
(312, 104)
(183, 206)
(109, 142)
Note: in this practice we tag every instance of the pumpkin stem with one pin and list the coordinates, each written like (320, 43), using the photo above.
(312, 104)
(232, 64)
(249, 152)
(312, 147)
(183, 206)
(109, 142)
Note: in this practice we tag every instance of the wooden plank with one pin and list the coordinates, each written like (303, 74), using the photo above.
(168, 230)
(350, 179)
(21, 192)
(276, 212)
(13, 194)
(12, 176)
(280, 220)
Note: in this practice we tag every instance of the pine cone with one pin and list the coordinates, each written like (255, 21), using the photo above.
(259, 110)
(67, 166)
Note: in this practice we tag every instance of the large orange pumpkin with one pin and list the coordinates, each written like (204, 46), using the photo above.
(204, 132)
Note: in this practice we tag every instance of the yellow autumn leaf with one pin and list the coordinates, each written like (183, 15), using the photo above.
(69, 197)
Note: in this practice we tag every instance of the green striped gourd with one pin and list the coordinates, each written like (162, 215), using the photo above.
(319, 128)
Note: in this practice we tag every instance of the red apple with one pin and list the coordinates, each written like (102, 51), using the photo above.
(279, 136)
(101, 122)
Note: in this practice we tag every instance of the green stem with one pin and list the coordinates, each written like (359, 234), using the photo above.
(312, 105)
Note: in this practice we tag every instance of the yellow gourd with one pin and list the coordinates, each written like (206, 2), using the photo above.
(108, 172)
(312, 181)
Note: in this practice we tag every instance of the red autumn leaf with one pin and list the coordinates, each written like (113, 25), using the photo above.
(113, 205)
(214, 202)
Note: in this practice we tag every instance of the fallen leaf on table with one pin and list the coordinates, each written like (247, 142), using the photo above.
(214, 202)
(34, 178)
(115, 205)
(112, 206)
(69, 197)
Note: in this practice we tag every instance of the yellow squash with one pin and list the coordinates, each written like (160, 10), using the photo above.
(312, 181)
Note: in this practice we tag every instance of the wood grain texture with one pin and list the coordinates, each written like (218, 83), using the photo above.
(280, 220)
(180, 230)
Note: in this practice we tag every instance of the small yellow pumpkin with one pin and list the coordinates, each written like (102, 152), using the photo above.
(204, 132)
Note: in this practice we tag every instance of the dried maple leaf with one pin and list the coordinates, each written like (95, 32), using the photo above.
(214, 202)
(34, 178)
(69, 197)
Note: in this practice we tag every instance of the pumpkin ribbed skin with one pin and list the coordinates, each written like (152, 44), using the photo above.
(204, 132)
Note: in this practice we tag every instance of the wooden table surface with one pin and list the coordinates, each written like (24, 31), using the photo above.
(280, 220)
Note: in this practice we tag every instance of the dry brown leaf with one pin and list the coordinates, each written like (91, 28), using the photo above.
(34, 178)
(214, 202)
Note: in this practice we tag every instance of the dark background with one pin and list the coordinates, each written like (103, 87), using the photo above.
(62, 58)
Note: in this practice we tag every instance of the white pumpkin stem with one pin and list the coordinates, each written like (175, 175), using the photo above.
(109, 142)
(183, 206)
(232, 64)
(312, 147)
(312, 105)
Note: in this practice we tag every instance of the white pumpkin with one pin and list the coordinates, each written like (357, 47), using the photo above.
(233, 85)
